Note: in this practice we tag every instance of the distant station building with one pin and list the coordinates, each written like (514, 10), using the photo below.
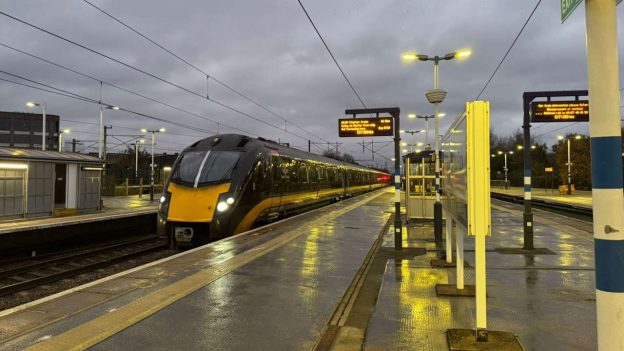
(47, 183)
(23, 130)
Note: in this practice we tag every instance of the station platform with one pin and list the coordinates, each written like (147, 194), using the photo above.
(546, 300)
(114, 207)
(274, 288)
(580, 198)
(329, 279)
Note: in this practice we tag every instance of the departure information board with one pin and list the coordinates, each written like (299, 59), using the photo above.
(365, 127)
(560, 111)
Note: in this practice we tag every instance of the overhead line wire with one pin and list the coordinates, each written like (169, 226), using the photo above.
(331, 54)
(209, 76)
(86, 99)
(123, 89)
(509, 50)
(148, 74)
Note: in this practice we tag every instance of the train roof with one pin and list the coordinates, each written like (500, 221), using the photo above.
(237, 140)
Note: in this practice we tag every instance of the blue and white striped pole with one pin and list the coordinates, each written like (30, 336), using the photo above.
(606, 164)
(398, 225)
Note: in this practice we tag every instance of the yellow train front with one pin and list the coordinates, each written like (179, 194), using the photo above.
(226, 184)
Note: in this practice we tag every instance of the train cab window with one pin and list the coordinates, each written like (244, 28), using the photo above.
(205, 167)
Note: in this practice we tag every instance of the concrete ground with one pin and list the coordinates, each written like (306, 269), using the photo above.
(579, 198)
(547, 301)
(114, 206)
(274, 289)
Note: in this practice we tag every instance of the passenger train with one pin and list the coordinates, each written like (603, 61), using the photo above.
(226, 184)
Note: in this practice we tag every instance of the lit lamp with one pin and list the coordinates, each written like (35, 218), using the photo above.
(60, 138)
(436, 96)
(160, 130)
(32, 104)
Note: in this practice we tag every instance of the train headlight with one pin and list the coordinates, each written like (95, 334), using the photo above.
(229, 201)
(222, 206)
(165, 200)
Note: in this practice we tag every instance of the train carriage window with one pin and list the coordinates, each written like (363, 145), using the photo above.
(276, 170)
(312, 174)
(303, 173)
(321, 174)
(294, 171)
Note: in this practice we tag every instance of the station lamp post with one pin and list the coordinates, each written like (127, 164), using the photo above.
(569, 163)
(137, 146)
(60, 138)
(161, 130)
(426, 118)
(33, 104)
(101, 150)
(505, 169)
(436, 96)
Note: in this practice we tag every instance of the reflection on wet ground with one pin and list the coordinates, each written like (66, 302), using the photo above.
(546, 300)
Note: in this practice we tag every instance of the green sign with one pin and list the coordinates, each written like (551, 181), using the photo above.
(568, 6)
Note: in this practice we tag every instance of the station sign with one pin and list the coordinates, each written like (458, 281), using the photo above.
(560, 111)
(548, 170)
(365, 127)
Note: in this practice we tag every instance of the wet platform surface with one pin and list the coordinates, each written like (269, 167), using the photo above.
(547, 301)
(273, 289)
(579, 198)
(114, 207)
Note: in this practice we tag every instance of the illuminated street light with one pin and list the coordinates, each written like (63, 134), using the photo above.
(569, 164)
(160, 130)
(32, 104)
(102, 134)
(436, 96)
(505, 167)
(520, 147)
(60, 138)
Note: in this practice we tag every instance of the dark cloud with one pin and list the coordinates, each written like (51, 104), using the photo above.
(268, 51)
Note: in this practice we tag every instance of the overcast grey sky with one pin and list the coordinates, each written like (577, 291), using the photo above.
(269, 51)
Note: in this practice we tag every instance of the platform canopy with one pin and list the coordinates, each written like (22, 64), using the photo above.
(51, 156)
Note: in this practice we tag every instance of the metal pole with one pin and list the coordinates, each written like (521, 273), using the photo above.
(606, 164)
(60, 140)
(480, 287)
(449, 239)
(437, 206)
(101, 135)
(152, 169)
(427, 133)
(506, 179)
(136, 160)
(528, 215)
(459, 261)
(398, 226)
(43, 134)
(104, 143)
(569, 170)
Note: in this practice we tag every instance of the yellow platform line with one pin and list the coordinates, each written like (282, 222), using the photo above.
(105, 326)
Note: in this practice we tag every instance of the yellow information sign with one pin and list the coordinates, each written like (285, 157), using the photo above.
(548, 169)
(365, 127)
(560, 111)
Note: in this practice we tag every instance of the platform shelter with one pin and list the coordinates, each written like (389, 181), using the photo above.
(35, 183)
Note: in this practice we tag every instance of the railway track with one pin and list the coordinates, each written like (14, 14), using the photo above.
(33, 274)
(556, 207)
